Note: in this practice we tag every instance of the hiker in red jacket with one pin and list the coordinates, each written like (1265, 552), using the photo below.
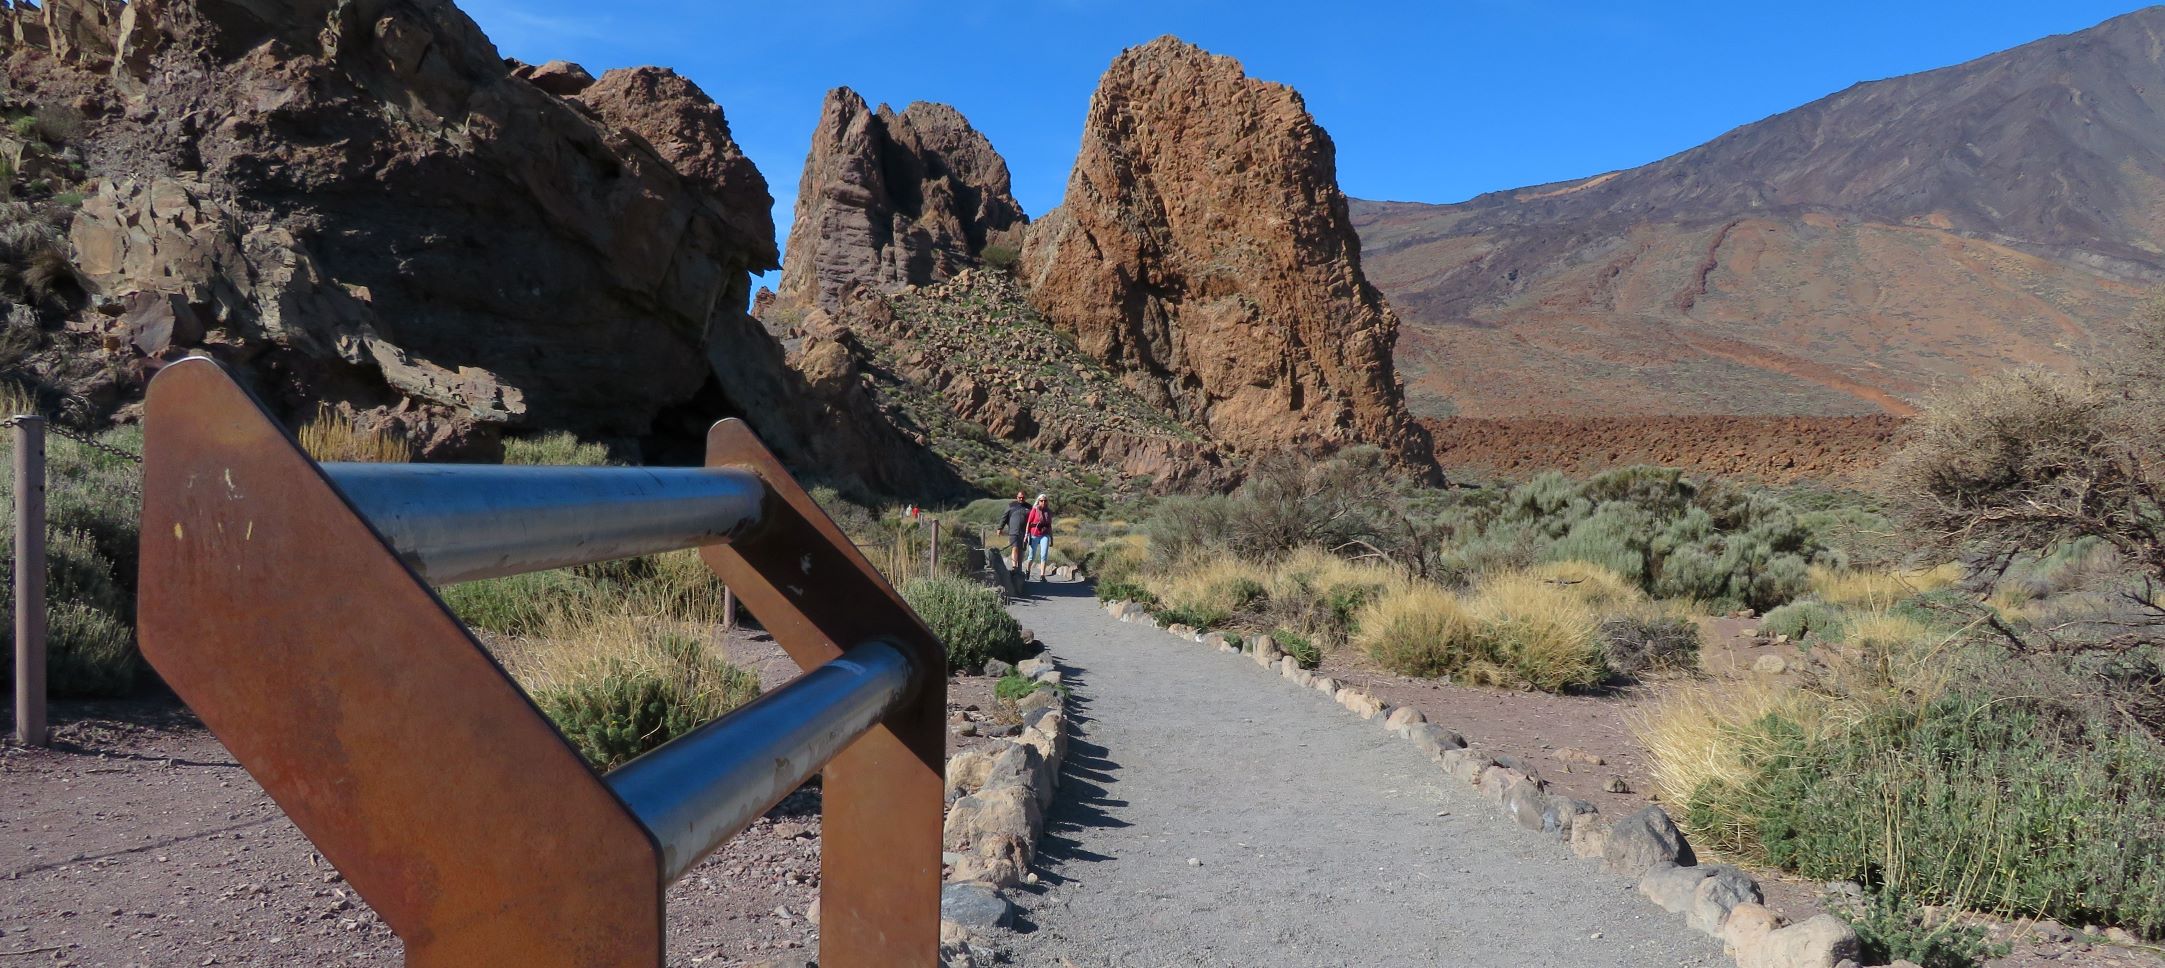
(1039, 526)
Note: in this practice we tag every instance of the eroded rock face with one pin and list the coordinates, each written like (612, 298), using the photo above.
(1204, 251)
(359, 203)
(889, 200)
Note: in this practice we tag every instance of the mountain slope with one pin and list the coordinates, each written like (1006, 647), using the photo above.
(1839, 258)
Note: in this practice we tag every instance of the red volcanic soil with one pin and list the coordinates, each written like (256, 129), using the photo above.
(1774, 450)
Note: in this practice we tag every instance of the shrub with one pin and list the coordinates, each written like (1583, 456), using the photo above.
(968, 619)
(1417, 629)
(1187, 615)
(333, 435)
(519, 604)
(1892, 928)
(619, 683)
(1012, 687)
(1000, 256)
(1543, 634)
(1209, 592)
(1296, 645)
(1633, 644)
(88, 652)
(1116, 590)
(1799, 619)
(559, 448)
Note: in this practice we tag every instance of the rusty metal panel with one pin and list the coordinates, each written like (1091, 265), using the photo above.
(880, 833)
(367, 711)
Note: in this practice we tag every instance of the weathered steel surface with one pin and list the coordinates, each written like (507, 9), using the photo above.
(366, 709)
(880, 834)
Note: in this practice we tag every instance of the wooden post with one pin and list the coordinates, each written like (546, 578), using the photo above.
(30, 580)
(932, 556)
(729, 609)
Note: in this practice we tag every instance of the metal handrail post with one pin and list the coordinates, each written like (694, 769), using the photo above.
(29, 589)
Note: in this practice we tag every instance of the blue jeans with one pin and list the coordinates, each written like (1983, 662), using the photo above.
(1038, 550)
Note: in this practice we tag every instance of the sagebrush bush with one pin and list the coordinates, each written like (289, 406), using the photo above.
(559, 448)
(2020, 805)
(619, 683)
(1123, 590)
(968, 619)
(1819, 620)
(89, 653)
(1894, 928)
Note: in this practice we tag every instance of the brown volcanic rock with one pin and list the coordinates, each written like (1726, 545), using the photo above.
(1840, 258)
(889, 200)
(1204, 252)
(355, 202)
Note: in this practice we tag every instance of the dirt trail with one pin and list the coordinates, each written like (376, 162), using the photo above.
(1316, 837)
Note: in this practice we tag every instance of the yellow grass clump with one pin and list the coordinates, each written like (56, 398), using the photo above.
(1209, 591)
(1591, 583)
(333, 436)
(1415, 628)
(1703, 738)
(1545, 634)
(15, 400)
(1878, 588)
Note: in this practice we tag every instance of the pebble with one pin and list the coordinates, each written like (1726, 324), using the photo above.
(1194, 862)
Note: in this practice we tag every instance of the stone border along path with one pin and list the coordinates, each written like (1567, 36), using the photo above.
(1211, 822)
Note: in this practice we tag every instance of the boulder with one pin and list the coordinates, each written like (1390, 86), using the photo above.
(1821, 942)
(1524, 802)
(1216, 640)
(1180, 631)
(1327, 686)
(974, 909)
(1718, 895)
(1433, 739)
(1265, 650)
(1770, 665)
(1035, 666)
(1671, 887)
(1644, 839)
(1402, 717)
(995, 668)
(1589, 837)
(993, 815)
(558, 77)
(1747, 927)
(967, 771)
(1561, 814)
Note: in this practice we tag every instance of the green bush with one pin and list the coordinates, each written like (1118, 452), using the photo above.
(89, 653)
(560, 448)
(1891, 928)
(1201, 617)
(968, 619)
(518, 604)
(1013, 687)
(629, 709)
(2013, 803)
(1297, 645)
(1119, 589)
(1799, 619)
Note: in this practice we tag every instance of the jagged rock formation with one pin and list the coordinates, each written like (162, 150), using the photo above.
(1204, 252)
(994, 389)
(890, 200)
(1840, 258)
(356, 202)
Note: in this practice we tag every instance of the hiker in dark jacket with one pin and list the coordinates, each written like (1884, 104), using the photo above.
(1015, 523)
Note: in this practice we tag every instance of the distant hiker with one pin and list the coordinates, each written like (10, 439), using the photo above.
(1015, 524)
(1040, 528)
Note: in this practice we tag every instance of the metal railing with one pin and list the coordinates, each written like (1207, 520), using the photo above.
(289, 604)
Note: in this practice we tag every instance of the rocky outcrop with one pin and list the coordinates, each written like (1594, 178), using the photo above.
(359, 202)
(1204, 252)
(889, 200)
(968, 363)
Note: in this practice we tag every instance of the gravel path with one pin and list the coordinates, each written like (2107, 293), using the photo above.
(1315, 836)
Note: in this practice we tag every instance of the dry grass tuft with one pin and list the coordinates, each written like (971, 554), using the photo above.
(334, 436)
(1706, 737)
(1545, 633)
(1209, 591)
(1415, 628)
(1878, 588)
(1590, 583)
(579, 645)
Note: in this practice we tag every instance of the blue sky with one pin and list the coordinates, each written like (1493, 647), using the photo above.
(1434, 101)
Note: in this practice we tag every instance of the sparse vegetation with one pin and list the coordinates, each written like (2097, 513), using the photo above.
(968, 619)
(560, 448)
(619, 684)
(92, 502)
(335, 435)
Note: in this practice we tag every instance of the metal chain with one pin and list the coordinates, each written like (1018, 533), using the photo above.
(81, 438)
